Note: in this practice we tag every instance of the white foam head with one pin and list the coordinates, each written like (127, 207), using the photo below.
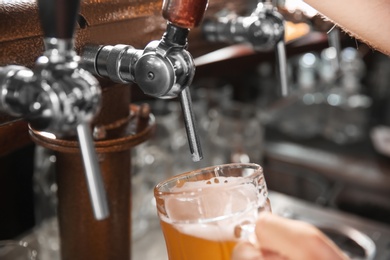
(212, 208)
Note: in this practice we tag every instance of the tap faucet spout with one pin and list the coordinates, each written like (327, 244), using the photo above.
(163, 69)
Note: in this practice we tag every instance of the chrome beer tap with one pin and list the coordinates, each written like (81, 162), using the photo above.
(263, 29)
(58, 96)
(163, 69)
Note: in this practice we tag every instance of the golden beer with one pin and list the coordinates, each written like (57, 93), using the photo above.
(204, 213)
(188, 247)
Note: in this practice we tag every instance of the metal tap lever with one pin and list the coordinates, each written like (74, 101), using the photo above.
(263, 29)
(185, 14)
(267, 7)
(280, 50)
(334, 42)
(79, 100)
(164, 69)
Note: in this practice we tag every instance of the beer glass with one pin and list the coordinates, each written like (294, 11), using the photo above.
(205, 212)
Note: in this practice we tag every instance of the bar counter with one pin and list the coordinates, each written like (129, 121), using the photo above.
(371, 235)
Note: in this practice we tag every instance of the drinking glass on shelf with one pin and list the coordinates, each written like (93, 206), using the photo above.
(152, 162)
(205, 212)
(235, 135)
(16, 250)
(44, 185)
(205, 101)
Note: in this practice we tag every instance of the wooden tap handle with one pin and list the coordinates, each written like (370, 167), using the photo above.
(184, 13)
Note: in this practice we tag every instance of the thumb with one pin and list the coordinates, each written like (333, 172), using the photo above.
(246, 251)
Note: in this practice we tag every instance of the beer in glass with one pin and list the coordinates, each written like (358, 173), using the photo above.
(204, 213)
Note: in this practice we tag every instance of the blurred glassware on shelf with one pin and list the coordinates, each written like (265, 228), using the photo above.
(152, 161)
(327, 98)
(348, 108)
(235, 134)
(44, 184)
(266, 83)
(380, 138)
(48, 238)
(45, 204)
(16, 250)
(329, 67)
(300, 115)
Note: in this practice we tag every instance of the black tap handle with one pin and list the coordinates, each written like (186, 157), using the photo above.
(58, 17)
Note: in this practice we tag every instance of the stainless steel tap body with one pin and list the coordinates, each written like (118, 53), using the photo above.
(263, 29)
(162, 69)
(55, 96)
(62, 98)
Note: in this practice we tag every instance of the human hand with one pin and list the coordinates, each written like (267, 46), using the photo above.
(286, 239)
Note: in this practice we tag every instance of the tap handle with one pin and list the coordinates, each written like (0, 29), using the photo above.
(280, 49)
(92, 172)
(184, 13)
(268, 7)
(58, 17)
(189, 121)
(334, 41)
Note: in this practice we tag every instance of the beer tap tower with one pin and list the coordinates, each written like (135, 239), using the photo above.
(58, 96)
(263, 29)
(163, 69)
(59, 99)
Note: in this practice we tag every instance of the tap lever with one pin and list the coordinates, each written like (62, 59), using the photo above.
(267, 7)
(334, 41)
(59, 69)
(58, 96)
(92, 172)
(281, 59)
(58, 17)
(189, 121)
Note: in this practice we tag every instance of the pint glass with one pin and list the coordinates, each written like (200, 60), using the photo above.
(204, 213)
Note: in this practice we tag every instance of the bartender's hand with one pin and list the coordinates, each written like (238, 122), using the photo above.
(285, 239)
